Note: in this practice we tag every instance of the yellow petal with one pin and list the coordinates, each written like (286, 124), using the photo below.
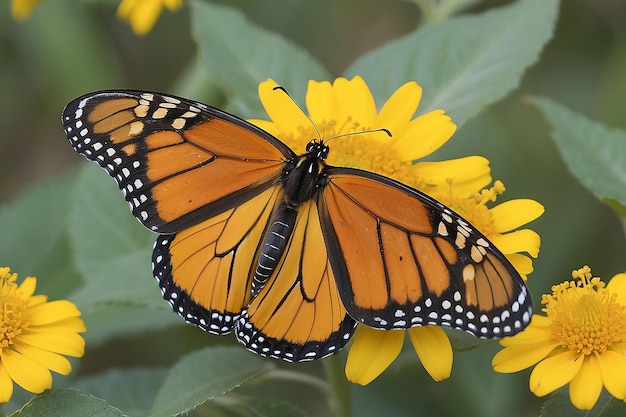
(617, 285)
(144, 16)
(554, 372)
(613, 369)
(524, 240)
(36, 300)
(619, 347)
(52, 312)
(27, 287)
(126, 7)
(266, 125)
(70, 325)
(50, 360)
(425, 135)
(522, 356)
(468, 175)
(515, 213)
(69, 344)
(173, 4)
(22, 9)
(354, 99)
(539, 330)
(6, 385)
(26, 372)
(585, 388)
(372, 351)
(434, 350)
(280, 108)
(397, 112)
(320, 102)
(522, 263)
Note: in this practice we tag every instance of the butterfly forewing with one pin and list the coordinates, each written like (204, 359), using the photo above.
(177, 162)
(401, 260)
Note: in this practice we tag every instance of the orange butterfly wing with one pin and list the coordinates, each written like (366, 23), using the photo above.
(186, 170)
(177, 162)
(401, 259)
(205, 272)
(298, 314)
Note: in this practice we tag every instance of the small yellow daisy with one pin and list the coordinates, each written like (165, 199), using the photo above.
(581, 341)
(34, 336)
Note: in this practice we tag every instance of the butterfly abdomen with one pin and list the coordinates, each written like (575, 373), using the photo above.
(283, 220)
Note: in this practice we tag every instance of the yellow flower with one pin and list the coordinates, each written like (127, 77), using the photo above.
(34, 334)
(21, 9)
(143, 14)
(373, 350)
(348, 106)
(581, 341)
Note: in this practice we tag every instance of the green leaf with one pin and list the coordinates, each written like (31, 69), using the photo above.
(112, 250)
(34, 240)
(106, 321)
(594, 154)
(100, 223)
(466, 63)
(49, 43)
(241, 55)
(204, 375)
(559, 405)
(67, 403)
(113, 253)
(132, 390)
(264, 407)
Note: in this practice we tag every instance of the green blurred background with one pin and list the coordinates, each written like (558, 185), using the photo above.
(44, 63)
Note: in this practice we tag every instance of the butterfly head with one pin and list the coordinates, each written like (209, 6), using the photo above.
(302, 177)
(317, 149)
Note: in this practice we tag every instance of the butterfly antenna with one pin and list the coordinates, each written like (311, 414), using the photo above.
(361, 132)
(319, 135)
(284, 90)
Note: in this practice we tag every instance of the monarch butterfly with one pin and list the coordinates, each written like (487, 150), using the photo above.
(282, 249)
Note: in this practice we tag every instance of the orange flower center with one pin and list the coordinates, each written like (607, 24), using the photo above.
(586, 317)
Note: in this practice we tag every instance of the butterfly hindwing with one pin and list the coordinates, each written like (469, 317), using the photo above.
(298, 314)
(177, 162)
(401, 260)
(205, 271)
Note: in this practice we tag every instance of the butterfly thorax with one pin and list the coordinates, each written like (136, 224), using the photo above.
(304, 176)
